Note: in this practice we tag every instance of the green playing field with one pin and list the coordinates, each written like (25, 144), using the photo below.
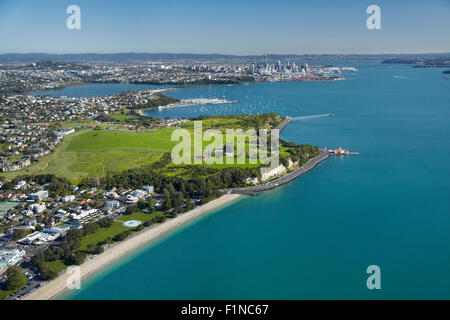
(6, 206)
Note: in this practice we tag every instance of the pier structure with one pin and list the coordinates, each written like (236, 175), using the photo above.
(324, 153)
(340, 152)
(284, 179)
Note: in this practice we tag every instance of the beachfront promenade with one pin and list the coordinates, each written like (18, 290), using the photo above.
(284, 179)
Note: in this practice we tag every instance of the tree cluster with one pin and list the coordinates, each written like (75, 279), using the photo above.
(15, 278)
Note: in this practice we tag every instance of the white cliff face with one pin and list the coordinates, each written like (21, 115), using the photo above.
(274, 172)
(292, 164)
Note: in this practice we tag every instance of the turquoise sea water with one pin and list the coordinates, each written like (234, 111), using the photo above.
(315, 237)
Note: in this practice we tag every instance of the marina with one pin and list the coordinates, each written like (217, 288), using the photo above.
(199, 101)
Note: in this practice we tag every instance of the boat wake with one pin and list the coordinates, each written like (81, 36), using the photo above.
(312, 116)
(402, 77)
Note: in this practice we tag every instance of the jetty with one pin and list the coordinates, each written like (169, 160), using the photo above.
(340, 152)
(195, 102)
(324, 153)
(285, 122)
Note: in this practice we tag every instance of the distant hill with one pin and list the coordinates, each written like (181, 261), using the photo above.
(441, 61)
(192, 57)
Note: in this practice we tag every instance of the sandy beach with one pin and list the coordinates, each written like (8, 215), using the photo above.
(94, 264)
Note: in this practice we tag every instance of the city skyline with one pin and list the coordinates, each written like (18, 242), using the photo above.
(250, 28)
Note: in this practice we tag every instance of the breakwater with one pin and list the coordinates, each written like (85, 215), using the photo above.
(284, 179)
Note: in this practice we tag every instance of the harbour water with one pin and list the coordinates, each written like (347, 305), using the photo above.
(315, 237)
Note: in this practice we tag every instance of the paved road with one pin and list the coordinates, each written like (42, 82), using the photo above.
(284, 123)
(285, 179)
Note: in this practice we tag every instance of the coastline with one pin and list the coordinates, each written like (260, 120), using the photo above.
(94, 264)
(288, 177)
(187, 103)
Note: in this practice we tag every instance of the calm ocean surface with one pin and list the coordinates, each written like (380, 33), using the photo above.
(315, 237)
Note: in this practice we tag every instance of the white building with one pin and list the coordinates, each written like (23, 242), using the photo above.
(148, 189)
(85, 216)
(10, 258)
(20, 185)
(38, 238)
(56, 230)
(112, 195)
(37, 208)
(68, 198)
(61, 211)
(63, 132)
(113, 204)
(62, 214)
(39, 195)
(28, 213)
(131, 199)
(138, 194)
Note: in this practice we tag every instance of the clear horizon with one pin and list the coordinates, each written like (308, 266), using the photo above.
(235, 27)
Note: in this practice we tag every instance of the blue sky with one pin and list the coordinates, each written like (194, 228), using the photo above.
(229, 26)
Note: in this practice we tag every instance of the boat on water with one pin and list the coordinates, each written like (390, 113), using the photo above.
(317, 78)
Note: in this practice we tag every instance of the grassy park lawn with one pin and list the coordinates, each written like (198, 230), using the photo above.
(102, 234)
(141, 216)
(88, 152)
(103, 140)
(5, 293)
(14, 158)
(122, 116)
(85, 123)
(52, 163)
(116, 228)
(57, 266)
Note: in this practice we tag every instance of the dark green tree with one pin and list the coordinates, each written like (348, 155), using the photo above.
(16, 279)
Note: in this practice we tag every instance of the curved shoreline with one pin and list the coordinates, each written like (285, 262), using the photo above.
(288, 177)
(94, 264)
